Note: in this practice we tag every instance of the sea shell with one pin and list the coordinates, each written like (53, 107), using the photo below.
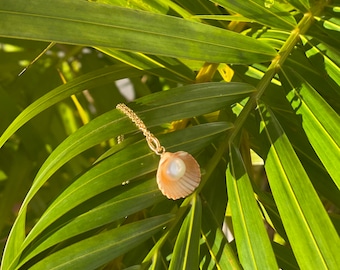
(178, 174)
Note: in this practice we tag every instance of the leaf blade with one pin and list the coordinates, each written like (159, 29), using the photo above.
(273, 16)
(186, 250)
(128, 30)
(216, 240)
(99, 249)
(118, 203)
(321, 124)
(254, 248)
(302, 213)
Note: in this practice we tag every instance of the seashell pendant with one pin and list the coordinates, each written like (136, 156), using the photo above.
(178, 174)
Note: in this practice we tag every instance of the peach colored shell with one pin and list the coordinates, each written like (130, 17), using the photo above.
(178, 174)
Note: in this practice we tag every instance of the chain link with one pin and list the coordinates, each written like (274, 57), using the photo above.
(152, 141)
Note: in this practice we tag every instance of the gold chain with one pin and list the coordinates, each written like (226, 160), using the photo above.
(152, 141)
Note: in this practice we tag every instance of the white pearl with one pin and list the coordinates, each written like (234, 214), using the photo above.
(176, 169)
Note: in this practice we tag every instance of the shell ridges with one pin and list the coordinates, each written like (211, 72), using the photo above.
(173, 187)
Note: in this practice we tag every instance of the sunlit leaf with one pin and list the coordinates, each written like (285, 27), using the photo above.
(161, 66)
(93, 252)
(253, 245)
(321, 124)
(299, 206)
(303, 5)
(266, 12)
(220, 250)
(186, 250)
(127, 30)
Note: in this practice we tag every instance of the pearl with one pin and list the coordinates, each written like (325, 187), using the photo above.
(176, 169)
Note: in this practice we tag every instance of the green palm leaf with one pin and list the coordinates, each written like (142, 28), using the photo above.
(187, 244)
(128, 30)
(252, 241)
(94, 251)
(299, 206)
